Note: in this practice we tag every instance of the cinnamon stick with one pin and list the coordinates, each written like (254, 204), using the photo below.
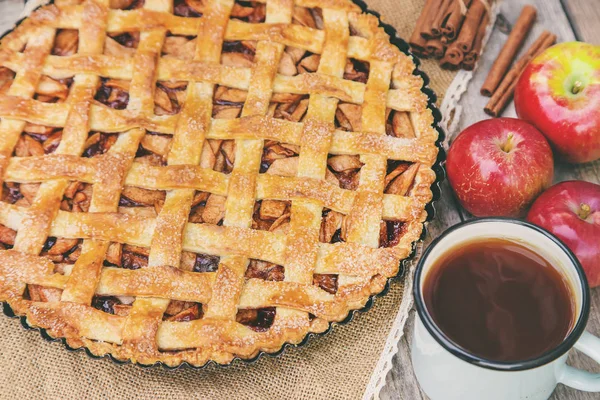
(511, 47)
(436, 48)
(452, 58)
(471, 25)
(505, 91)
(421, 53)
(452, 25)
(472, 56)
(416, 41)
(440, 18)
(428, 23)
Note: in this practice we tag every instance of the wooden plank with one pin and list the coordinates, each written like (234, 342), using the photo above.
(401, 382)
(11, 9)
(585, 16)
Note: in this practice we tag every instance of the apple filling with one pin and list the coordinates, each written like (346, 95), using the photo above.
(112, 305)
(126, 256)
(207, 208)
(126, 40)
(257, 319)
(181, 47)
(153, 149)
(327, 282)
(126, 4)
(332, 223)
(243, 50)
(309, 17)
(66, 42)
(249, 11)
(356, 70)
(11, 193)
(201, 262)
(398, 124)
(6, 78)
(264, 270)
(345, 169)
(52, 90)
(400, 177)
(348, 117)
(37, 140)
(132, 196)
(7, 237)
(273, 153)
(228, 103)
(113, 93)
(188, 8)
(390, 233)
(169, 97)
(271, 215)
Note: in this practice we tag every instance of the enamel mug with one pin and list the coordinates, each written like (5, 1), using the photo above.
(447, 371)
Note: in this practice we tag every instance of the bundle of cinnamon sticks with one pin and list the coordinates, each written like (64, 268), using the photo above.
(451, 31)
(501, 81)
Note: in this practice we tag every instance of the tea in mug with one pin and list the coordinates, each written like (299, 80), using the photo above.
(499, 300)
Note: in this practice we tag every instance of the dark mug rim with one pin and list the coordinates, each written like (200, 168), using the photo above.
(464, 354)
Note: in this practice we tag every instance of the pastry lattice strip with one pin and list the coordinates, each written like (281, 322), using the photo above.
(362, 267)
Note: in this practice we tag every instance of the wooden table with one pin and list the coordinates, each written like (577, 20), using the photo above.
(575, 19)
(570, 20)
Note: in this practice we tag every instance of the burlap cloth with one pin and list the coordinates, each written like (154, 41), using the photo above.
(336, 366)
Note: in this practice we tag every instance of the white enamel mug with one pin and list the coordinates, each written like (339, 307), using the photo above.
(447, 371)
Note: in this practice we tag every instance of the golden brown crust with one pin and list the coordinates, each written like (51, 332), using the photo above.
(161, 232)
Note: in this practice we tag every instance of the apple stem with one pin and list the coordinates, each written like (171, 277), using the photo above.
(577, 87)
(508, 144)
(584, 211)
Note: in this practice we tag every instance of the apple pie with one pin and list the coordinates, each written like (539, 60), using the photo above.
(197, 180)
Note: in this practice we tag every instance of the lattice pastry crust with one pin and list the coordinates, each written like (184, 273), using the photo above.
(196, 180)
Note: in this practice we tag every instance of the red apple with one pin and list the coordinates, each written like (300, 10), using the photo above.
(571, 211)
(497, 167)
(559, 93)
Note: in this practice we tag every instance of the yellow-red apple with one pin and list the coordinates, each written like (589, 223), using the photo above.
(559, 93)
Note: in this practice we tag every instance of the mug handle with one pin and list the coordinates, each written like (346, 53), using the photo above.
(589, 345)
